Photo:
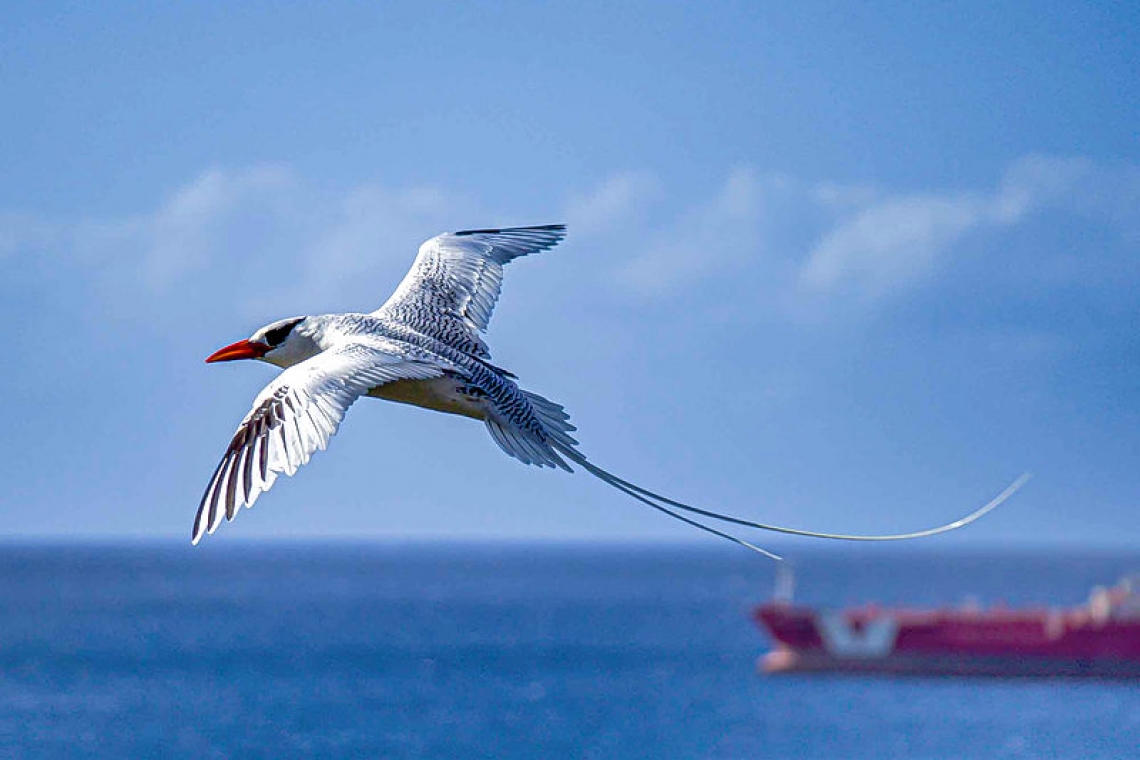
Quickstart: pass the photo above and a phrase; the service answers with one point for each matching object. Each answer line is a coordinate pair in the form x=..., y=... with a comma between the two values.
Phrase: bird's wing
x=451, y=289
x=297, y=414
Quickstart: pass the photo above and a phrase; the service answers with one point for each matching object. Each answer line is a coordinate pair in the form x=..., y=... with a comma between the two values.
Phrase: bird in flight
x=423, y=347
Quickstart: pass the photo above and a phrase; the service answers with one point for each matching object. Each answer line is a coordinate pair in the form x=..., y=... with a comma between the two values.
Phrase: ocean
x=355, y=650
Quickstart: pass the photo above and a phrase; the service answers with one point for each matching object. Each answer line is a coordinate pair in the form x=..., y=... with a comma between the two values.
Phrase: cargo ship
x=1099, y=639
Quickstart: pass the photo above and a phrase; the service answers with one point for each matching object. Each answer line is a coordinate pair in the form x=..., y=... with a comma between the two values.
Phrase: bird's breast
x=443, y=394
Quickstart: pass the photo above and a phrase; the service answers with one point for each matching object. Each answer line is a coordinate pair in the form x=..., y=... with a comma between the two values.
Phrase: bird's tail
x=560, y=447
x=657, y=501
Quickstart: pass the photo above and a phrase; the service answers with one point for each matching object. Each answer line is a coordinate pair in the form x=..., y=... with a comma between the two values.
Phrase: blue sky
x=846, y=269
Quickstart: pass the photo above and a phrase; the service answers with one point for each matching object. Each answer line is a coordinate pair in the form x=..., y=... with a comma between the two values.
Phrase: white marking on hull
x=874, y=638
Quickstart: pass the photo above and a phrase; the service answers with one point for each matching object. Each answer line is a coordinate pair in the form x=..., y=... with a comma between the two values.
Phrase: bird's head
x=284, y=343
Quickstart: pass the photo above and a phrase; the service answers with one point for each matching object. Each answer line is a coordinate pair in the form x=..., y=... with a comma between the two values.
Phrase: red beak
x=243, y=349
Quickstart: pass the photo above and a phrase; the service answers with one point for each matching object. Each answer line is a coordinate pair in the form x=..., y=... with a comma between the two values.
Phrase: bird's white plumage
x=297, y=414
x=451, y=289
x=423, y=347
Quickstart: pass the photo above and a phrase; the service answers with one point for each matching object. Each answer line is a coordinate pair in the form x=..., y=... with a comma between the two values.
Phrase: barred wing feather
x=295, y=416
x=451, y=289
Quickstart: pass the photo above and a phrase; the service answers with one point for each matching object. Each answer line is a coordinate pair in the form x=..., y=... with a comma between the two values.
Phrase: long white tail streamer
x=695, y=524
x=646, y=496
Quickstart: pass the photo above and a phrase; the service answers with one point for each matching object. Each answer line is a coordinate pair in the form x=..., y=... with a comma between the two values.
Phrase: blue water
x=483, y=651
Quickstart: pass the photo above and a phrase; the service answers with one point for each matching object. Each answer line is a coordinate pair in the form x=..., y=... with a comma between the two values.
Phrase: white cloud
x=895, y=241
x=189, y=229
x=761, y=241
x=612, y=202
x=1036, y=182
x=367, y=238
x=713, y=235
x=889, y=244
x=260, y=235
x=153, y=251
x=809, y=244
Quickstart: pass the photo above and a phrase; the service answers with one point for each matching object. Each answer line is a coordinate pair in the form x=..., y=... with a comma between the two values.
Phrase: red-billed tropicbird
x=422, y=347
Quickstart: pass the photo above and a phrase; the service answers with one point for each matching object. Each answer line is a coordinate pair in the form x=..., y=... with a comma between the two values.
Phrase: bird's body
x=449, y=395
x=422, y=347
x=460, y=382
x=451, y=392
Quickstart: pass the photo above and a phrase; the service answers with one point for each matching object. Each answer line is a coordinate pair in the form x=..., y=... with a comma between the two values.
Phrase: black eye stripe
x=277, y=335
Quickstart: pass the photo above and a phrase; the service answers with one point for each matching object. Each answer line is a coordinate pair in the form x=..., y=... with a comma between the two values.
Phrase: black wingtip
x=536, y=228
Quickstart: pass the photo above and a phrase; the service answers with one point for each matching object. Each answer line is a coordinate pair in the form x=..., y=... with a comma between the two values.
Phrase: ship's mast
x=785, y=590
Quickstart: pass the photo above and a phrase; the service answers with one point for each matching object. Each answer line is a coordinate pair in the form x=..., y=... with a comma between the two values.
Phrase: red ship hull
x=1093, y=641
